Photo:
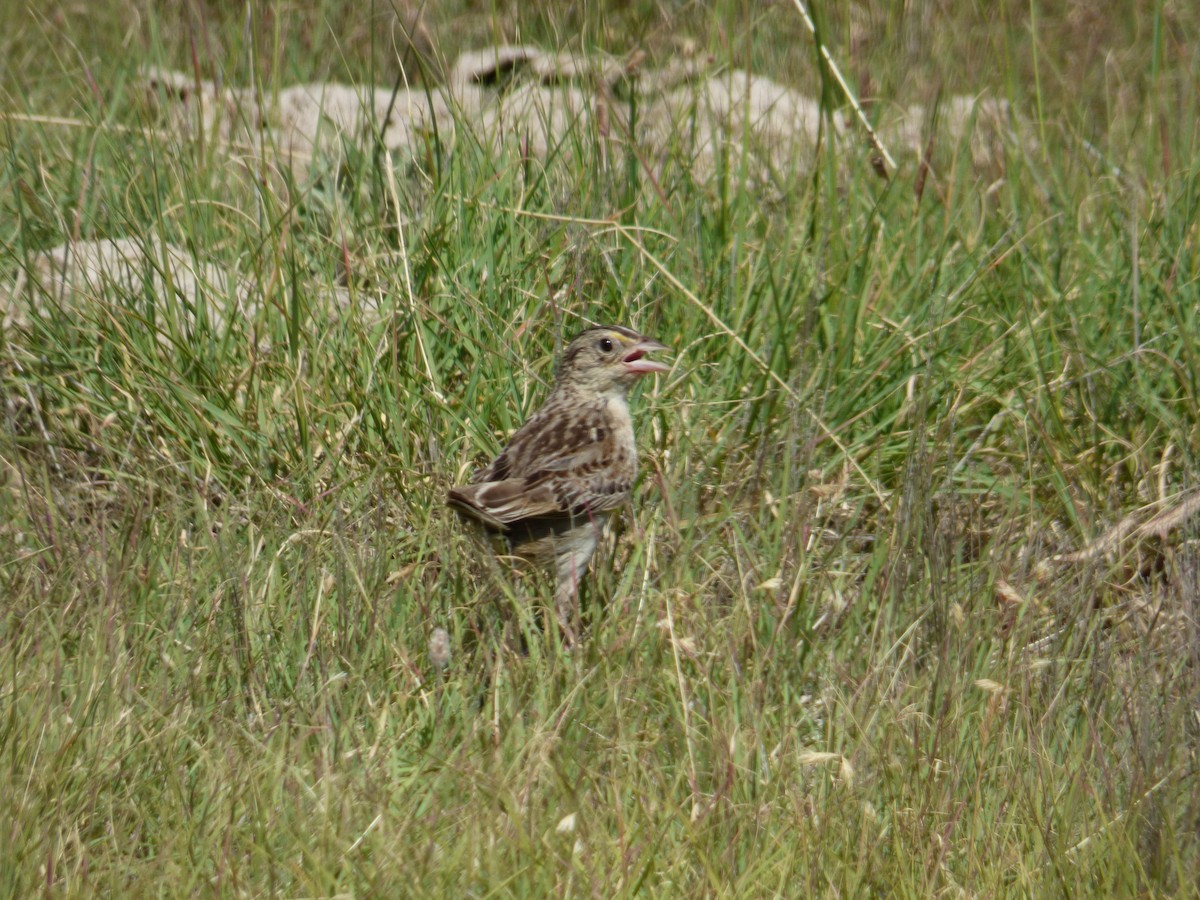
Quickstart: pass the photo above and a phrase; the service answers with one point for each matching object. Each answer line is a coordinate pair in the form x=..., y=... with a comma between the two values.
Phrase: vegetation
x=868, y=629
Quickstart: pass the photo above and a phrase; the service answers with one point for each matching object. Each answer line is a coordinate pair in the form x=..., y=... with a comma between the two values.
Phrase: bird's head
x=609, y=358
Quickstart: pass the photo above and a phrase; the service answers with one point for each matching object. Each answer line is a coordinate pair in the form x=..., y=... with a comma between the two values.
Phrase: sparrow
x=550, y=492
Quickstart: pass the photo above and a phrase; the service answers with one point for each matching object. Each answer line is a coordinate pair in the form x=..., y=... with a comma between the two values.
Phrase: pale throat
x=617, y=409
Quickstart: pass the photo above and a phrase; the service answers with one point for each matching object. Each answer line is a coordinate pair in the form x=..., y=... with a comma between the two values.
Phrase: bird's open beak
x=635, y=360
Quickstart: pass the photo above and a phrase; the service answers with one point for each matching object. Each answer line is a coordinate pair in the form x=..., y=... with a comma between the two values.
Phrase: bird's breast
x=620, y=424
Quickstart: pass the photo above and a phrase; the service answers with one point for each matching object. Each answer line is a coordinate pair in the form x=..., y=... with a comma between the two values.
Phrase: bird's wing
x=550, y=439
x=497, y=504
x=585, y=480
x=551, y=469
x=594, y=492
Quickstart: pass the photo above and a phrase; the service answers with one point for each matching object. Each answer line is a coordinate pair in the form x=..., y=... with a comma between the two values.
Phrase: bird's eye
x=606, y=345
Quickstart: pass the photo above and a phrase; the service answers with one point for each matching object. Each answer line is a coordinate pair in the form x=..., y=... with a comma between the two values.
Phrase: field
x=906, y=601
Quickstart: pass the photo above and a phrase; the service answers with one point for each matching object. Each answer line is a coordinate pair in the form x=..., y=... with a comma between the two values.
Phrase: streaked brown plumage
x=552, y=489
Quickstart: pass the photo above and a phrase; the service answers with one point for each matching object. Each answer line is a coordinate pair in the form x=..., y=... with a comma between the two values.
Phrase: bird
x=551, y=490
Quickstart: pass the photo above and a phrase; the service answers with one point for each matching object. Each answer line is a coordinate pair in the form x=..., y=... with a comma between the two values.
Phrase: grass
x=828, y=654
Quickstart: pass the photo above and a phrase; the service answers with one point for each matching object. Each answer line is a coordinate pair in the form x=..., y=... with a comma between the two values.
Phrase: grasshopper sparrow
x=551, y=490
